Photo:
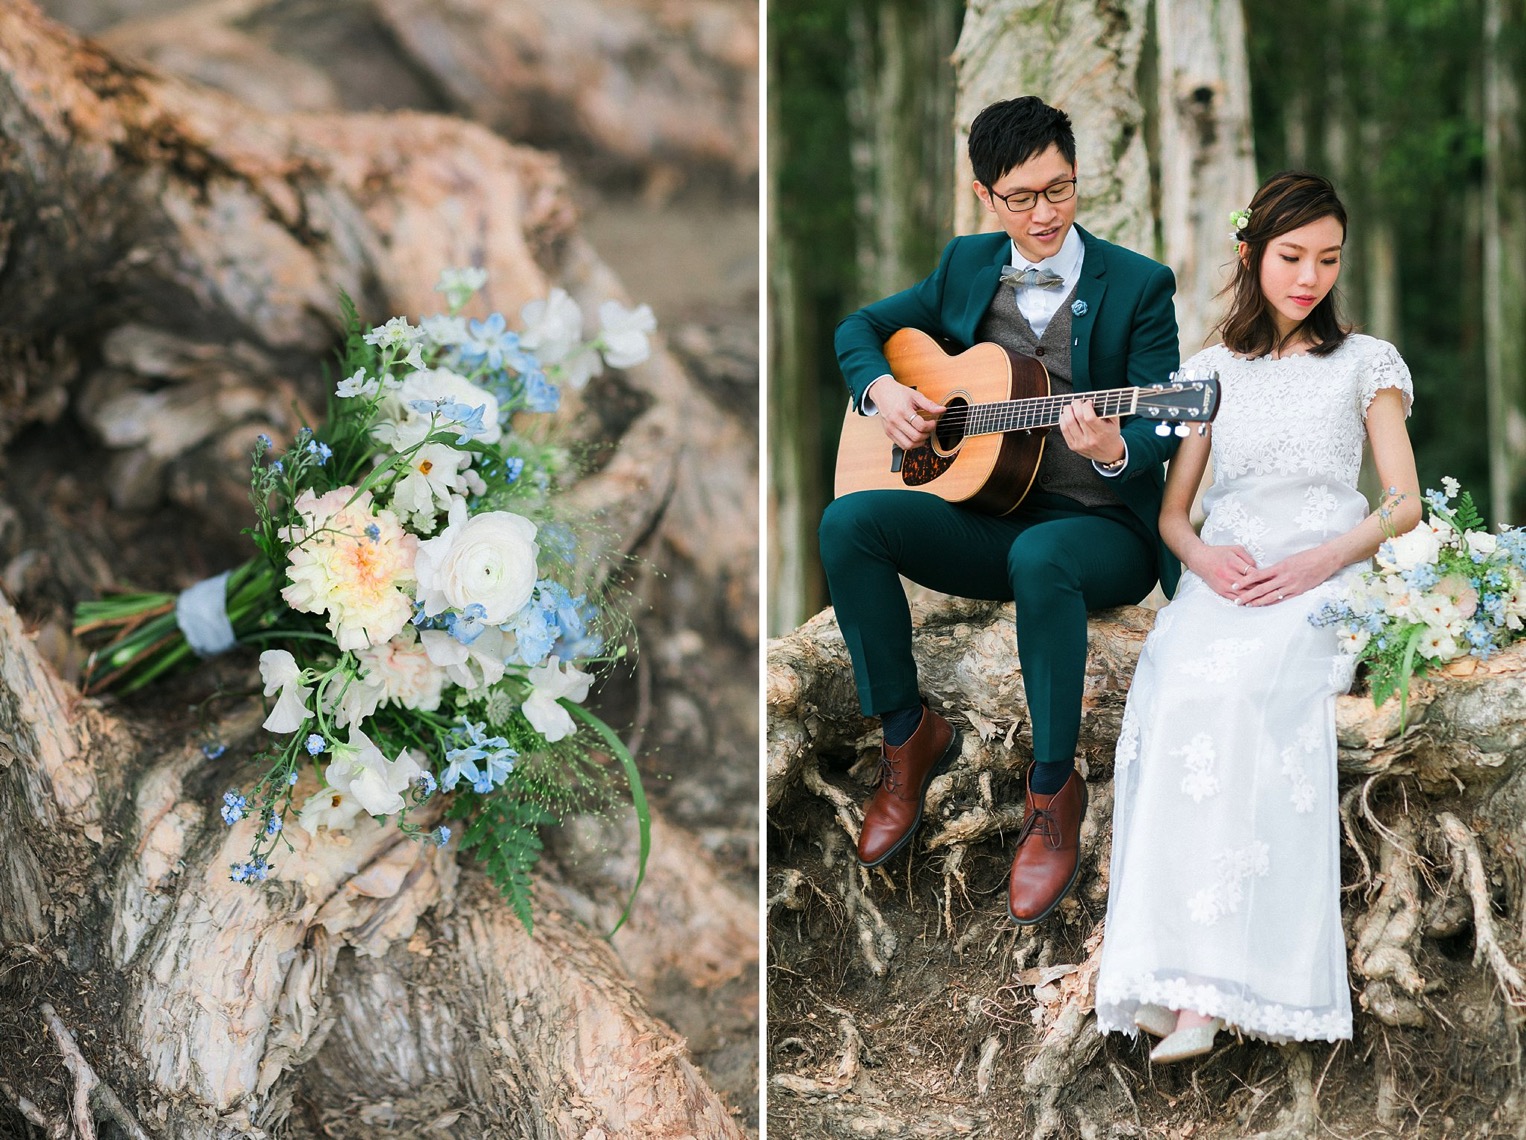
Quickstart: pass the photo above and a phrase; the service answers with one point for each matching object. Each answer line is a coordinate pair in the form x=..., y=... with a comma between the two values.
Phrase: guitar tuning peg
x=1182, y=431
x=1162, y=429
x=1202, y=429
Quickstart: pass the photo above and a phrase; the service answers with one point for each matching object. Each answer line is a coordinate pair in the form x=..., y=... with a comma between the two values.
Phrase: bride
x=1224, y=902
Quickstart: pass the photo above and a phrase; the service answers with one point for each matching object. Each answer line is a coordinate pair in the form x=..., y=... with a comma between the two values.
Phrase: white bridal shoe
x=1184, y=1043
x=1156, y=1020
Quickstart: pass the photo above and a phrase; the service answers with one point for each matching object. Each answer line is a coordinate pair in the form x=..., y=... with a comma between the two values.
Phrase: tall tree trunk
x=1207, y=165
x=1505, y=256
x=900, y=104
x=1083, y=58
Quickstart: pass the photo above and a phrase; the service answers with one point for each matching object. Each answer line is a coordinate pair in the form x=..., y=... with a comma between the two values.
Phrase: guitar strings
x=1033, y=411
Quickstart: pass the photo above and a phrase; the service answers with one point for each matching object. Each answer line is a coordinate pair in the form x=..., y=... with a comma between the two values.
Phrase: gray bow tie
x=1041, y=278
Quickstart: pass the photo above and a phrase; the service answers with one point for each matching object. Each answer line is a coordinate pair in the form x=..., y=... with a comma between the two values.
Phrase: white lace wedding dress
x=1224, y=895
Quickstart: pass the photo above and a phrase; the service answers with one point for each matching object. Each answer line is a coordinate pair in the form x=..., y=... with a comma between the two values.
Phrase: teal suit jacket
x=1127, y=335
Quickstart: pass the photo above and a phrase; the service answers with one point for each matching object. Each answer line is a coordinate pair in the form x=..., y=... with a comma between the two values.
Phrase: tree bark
x=1083, y=58
x=1207, y=164
x=170, y=261
x=1434, y=905
x=1505, y=257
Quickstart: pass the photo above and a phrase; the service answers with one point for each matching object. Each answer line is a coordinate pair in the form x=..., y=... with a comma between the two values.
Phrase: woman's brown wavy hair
x=1285, y=201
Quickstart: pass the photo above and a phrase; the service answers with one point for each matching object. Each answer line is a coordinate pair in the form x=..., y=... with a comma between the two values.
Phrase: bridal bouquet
x=1446, y=588
x=430, y=615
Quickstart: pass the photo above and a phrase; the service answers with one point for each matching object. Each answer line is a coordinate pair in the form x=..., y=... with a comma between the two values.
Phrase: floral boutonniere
x=1079, y=308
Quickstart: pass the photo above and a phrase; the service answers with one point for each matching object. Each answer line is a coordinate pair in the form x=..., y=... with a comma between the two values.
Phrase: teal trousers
x=1053, y=557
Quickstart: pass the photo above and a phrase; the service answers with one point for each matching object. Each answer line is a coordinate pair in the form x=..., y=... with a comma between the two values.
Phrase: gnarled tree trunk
x=170, y=262
x=930, y=978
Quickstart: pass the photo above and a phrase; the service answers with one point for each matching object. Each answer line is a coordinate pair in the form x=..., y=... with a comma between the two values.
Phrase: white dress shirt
x=1038, y=305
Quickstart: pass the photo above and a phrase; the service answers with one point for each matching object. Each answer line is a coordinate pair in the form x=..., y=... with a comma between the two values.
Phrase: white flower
x=549, y=684
x=395, y=333
x=487, y=559
x=625, y=333
x=553, y=328
x=403, y=426
x=1438, y=645
x=357, y=385
x=1406, y=551
x=1450, y=486
x=361, y=770
x=330, y=808
x=1352, y=642
x=1481, y=542
x=478, y=665
x=434, y=478
x=278, y=669
x=459, y=284
x=442, y=331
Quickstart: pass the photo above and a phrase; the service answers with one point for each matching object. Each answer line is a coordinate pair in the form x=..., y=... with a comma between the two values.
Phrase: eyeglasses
x=1021, y=201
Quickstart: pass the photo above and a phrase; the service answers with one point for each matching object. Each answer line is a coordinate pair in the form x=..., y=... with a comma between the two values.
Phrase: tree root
x=1468, y=864
x=841, y=1080
x=90, y=1092
x=1386, y=933
x=877, y=941
x=849, y=815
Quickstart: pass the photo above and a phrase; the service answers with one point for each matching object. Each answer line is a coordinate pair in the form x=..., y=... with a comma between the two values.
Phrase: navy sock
x=1047, y=779
x=899, y=725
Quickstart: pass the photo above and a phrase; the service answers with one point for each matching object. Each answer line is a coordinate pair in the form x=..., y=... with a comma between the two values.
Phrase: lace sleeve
x=1385, y=368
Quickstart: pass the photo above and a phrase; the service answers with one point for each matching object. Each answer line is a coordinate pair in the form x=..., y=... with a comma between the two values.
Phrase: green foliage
x=503, y=834
x=1382, y=96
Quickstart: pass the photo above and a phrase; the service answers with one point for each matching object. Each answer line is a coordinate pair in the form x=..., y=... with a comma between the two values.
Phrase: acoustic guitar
x=985, y=450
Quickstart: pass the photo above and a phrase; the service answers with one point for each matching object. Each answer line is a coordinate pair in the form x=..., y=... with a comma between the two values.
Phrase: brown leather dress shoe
x=1048, y=853
x=892, y=814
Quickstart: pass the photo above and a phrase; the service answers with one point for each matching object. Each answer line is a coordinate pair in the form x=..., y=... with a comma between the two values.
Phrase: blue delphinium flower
x=272, y=823
x=540, y=394
x=473, y=746
x=234, y=807
x=512, y=467
x=254, y=871
x=467, y=625
x=535, y=632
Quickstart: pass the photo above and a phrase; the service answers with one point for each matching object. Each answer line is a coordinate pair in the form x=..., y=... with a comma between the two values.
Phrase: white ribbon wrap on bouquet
x=202, y=614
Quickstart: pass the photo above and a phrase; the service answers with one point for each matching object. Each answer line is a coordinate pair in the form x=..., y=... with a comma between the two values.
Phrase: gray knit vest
x=1061, y=471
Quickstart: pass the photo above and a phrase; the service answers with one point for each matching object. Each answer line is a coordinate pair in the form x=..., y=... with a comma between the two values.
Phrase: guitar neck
x=1044, y=411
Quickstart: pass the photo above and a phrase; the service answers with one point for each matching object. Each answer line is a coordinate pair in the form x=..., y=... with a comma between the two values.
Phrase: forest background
x=1411, y=106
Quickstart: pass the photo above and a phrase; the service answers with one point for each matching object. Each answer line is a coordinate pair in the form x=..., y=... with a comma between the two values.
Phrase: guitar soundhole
x=924, y=464
x=949, y=433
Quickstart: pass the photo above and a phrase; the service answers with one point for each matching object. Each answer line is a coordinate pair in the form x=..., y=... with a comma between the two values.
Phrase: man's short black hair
x=1009, y=133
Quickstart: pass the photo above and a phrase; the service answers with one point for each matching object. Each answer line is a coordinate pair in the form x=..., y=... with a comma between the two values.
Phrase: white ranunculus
x=548, y=685
x=279, y=671
x=552, y=328
x=1406, y=551
x=625, y=333
x=486, y=559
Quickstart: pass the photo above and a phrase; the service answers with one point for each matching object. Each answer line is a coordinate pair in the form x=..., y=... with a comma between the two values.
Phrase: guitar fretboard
x=1037, y=412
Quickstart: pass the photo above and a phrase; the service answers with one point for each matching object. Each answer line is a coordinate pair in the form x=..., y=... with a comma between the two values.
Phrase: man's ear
x=984, y=195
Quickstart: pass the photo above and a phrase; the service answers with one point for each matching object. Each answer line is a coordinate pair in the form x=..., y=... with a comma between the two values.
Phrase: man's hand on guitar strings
x=907, y=416
x=1089, y=435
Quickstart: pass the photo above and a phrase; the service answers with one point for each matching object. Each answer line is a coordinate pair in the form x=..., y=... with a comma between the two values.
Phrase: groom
x=1085, y=537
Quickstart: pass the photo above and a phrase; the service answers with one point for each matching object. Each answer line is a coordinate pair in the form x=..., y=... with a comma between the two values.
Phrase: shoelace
x=1042, y=820
x=888, y=775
